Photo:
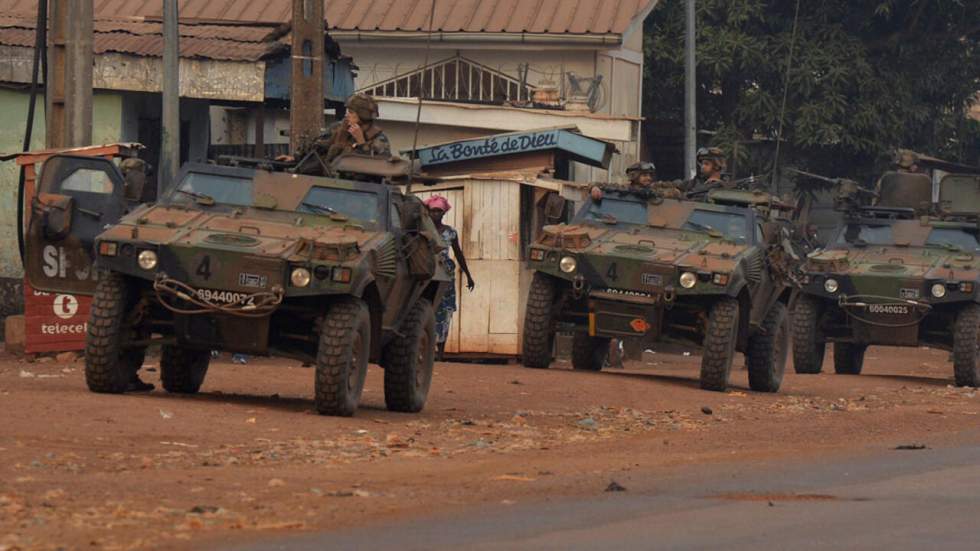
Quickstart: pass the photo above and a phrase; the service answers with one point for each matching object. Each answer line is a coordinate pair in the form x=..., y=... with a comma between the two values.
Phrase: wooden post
x=69, y=78
x=306, y=83
x=55, y=79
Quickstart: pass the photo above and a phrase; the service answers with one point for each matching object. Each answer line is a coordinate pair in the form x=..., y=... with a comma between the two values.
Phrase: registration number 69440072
x=225, y=297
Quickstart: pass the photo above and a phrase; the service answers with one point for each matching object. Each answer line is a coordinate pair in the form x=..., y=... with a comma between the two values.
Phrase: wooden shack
x=499, y=196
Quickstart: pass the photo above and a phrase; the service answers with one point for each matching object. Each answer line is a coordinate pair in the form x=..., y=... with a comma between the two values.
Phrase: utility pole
x=690, y=98
x=170, y=125
x=69, y=78
x=306, y=83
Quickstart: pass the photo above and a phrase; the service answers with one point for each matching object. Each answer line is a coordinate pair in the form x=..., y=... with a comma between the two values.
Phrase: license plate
x=890, y=309
x=225, y=297
x=655, y=280
x=909, y=293
x=252, y=280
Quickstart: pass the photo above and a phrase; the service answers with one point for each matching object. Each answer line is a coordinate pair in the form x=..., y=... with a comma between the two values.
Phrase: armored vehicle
x=903, y=272
x=629, y=267
x=326, y=270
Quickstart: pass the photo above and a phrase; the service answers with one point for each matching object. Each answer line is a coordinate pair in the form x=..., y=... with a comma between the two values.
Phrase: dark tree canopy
x=868, y=76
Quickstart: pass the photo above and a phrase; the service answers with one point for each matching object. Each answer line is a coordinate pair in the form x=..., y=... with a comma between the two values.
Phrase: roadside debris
x=911, y=447
x=615, y=487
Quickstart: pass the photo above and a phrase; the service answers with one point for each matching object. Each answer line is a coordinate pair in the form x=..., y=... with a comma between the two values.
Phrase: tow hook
x=578, y=284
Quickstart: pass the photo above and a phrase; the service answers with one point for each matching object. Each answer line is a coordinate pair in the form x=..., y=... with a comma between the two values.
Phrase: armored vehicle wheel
x=182, y=370
x=539, y=322
x=588, y=353
x=848, y=358
x=808, y=352
x=719, y=345
x=108, y=363
x=342, y=358
x=408, y=360
x=966, y=345
x=766, y=358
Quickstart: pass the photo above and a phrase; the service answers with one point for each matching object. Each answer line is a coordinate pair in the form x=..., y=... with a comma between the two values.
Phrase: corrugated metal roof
x=474, y=16
x=221, y=42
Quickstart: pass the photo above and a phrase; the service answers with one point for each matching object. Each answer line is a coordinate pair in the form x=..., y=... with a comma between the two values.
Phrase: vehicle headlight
x=938, y=290
x=300, y=277
x=568, y=264
x=830, y=285
x=688, y=280
x=147, y=260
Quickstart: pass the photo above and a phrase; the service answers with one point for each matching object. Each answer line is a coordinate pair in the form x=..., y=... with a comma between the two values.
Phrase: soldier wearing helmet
x=355, y=133
x=642, y=177
x=907, y=161
x=711, y=168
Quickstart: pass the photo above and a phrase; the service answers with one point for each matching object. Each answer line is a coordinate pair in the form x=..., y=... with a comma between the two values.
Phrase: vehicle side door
x=77, y=198
x=417, y=261
x=768, y=236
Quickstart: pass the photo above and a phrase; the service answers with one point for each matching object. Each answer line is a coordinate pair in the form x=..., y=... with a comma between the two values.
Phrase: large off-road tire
x=539, y=323
x=966, y=346
x=589, y=353
x=182, y=370
x=766, y=358
x=808, y=352
x=342, y=357
x=719, y=345
x=409, y=359
x=849, y=358
x=108, y=364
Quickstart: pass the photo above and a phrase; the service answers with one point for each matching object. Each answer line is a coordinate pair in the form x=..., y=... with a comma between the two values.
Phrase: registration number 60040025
x=225, y=297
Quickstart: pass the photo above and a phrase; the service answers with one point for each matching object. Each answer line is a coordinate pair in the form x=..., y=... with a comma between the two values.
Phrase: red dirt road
x=247, y=459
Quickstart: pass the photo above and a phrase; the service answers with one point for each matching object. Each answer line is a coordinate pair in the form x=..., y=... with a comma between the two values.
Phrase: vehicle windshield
x=863, y=234
x=614, y=211
x=356, y=205
x=202, y=188
x=731, y=225
x=954, y=238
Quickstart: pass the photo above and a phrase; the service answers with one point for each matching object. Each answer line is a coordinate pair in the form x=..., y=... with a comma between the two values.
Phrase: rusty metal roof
x=471, y=16
x=144, y=38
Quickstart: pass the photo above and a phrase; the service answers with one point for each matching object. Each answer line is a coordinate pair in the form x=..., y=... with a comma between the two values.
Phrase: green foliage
x=868, y=76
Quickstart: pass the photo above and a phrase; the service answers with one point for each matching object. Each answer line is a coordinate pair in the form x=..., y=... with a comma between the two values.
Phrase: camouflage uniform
x=700, y=186
x=337, y=141
x=134, y=171
x=635, y=186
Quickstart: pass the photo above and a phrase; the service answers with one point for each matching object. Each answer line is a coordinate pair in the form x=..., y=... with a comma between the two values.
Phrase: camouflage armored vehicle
x=330, y=271
x=711, y=273
x=903, y=272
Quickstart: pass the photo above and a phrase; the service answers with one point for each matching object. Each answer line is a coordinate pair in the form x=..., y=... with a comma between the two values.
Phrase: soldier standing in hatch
x=908, y=161
x=641, y=175
x=711, y=167
x=355, y=133
x=438, y=206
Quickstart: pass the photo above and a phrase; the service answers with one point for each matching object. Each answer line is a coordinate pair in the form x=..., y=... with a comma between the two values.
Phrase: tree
x=867, y=77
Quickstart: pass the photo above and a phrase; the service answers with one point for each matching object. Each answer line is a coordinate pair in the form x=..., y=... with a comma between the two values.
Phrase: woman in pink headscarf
x=438, y=206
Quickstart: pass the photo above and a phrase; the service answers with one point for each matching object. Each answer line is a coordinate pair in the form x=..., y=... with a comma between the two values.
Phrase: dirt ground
x=247, y=459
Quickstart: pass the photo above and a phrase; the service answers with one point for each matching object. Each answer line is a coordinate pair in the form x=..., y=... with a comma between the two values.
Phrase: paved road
x=890, y=500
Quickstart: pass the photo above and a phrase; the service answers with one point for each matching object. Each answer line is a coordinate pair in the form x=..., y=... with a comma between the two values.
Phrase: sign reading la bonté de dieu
x=489, y=147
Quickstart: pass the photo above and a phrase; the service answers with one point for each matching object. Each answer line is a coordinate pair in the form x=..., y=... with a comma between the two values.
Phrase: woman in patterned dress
x=438, y=207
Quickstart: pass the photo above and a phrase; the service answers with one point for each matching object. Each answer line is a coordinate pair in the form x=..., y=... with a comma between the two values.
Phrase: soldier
x=907, y=161
x=711, y=166
x=641, y=175
x=355, y=133
x=134, y=171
